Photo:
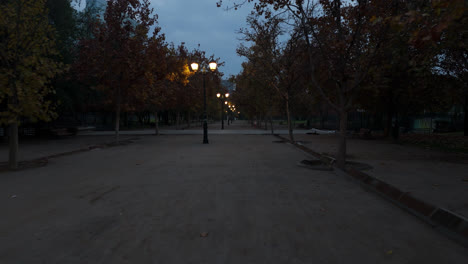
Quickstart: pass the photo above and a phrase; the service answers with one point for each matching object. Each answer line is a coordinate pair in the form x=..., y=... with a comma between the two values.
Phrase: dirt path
x=171, y=199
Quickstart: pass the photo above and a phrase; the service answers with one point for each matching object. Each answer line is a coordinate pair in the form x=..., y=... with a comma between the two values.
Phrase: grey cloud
x=201, y=22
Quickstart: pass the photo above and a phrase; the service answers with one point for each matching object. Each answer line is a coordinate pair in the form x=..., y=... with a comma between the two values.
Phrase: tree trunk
x=396, y=127
x=156, y=123
x=388, y=123
x=141, y=119
x=146, y=118
x=271, y=125
x=322, y=121
x=368, y=122
x=178, y=120
x=361, y=119
x=465, y=120
x=117, y=122
x=323, y=116
x=117, y=117
x=290, y=128
x=117, y=108
x=341, y=155
x=13, y=138
x=188, y=119
x=166, y=117
x=390, y=113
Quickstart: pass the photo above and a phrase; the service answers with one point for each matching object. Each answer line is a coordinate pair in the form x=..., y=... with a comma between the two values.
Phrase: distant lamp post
x=233, y=111
x=212, y=66
x=221, y=96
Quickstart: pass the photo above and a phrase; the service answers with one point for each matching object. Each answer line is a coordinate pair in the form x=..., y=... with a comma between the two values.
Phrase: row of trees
x=54, y=59
x=394, y=57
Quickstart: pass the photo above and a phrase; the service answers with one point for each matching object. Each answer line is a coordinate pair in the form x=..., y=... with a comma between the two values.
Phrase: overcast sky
x=201, y=22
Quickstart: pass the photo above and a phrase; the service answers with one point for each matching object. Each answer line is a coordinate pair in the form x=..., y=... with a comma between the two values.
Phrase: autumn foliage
x=135, y=69
x=113, y=59
x=27, y=66
x=377, y=56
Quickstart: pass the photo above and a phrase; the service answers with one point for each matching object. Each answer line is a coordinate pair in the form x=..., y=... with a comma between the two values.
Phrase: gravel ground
x=171, y=199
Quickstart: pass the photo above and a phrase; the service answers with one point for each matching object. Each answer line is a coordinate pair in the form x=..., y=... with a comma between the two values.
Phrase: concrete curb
x=451, y=224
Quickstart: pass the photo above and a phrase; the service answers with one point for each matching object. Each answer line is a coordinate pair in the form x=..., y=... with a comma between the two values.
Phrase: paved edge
x=449, y=223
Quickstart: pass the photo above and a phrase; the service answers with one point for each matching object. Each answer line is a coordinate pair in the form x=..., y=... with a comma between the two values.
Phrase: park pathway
x=171, y=199
x=238, y=127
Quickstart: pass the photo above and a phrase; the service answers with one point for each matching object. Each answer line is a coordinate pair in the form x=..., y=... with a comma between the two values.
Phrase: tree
x=453, y=44
x=111, y=58
x=63, y=17
x=291, y=75
x=422, y=40
x=27, y=64
x=262, y=54
x=69, y=95
x=170, y=85
x=394, y=74
x=339, y=31
x=152, y=97
x=186, y=97
x=278, y=65
x=254, y=96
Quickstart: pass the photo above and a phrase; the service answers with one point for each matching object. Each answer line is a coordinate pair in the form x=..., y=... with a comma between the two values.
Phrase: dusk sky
x=202, y=22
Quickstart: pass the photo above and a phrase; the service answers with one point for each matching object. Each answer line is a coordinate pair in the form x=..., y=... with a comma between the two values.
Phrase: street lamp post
x=222, y=107
x=232, y=109
x=212, y=67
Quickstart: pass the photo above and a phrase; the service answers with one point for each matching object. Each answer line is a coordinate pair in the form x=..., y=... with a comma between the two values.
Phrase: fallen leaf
x=465, y=180
x=203, y=234
x=389, y=252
